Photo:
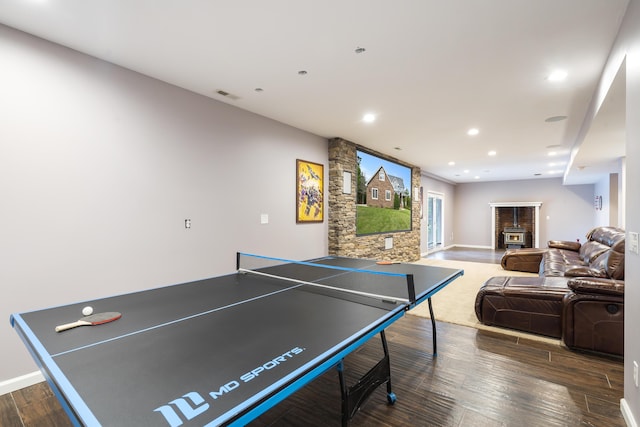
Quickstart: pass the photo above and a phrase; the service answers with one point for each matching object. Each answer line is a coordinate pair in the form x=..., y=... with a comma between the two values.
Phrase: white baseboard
x=17, y=383
x=434, y=250
x=627, y=415
x=473, y=246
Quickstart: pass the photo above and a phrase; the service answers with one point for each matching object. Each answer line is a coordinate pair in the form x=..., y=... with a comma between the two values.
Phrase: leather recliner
x=578, y=296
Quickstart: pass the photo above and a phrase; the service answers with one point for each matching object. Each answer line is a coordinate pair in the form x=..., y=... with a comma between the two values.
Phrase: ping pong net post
x=328, y=273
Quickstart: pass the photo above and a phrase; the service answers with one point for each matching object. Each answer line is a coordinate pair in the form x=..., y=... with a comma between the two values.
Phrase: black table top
x=210, y=351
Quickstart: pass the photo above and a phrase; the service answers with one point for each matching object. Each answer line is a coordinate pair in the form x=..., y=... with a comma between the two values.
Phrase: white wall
x=567, y=212
x=99, y=168
x=626, y=52
x=628, y=43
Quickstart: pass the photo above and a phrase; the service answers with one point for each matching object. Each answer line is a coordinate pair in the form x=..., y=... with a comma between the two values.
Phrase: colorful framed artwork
x=309, y=192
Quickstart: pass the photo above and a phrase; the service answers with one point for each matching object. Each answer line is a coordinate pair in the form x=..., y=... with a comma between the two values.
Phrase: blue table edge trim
x=78, y=412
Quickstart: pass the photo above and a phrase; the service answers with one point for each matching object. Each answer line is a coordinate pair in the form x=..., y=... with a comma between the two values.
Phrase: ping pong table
x=224, y=350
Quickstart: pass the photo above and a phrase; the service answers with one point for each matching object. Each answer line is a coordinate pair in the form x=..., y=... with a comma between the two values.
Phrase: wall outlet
x=635, y=373
x=388, y=243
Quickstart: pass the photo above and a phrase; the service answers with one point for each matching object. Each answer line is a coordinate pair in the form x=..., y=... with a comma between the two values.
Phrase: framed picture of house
x=383, y=200
x=309, y=192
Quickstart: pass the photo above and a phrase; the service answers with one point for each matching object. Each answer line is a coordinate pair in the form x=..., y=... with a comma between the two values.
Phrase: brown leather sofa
x=578, y=295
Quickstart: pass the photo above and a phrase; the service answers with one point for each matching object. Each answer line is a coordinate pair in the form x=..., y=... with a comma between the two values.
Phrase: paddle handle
x=71, y=325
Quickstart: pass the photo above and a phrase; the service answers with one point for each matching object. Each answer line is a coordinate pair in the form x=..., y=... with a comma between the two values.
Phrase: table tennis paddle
x=94, y=319
x=387, y=262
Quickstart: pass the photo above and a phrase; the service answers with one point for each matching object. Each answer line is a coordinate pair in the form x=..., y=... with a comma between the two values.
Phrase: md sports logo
x=192, y=404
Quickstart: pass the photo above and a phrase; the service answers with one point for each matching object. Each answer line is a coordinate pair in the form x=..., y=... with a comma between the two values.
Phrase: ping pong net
x=335, y=276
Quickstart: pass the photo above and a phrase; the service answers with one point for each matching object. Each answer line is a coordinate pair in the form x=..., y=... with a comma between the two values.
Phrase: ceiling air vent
x=227, y=95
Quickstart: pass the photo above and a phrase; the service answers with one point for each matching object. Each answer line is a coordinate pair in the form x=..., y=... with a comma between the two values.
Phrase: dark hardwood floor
x=479, y=378
x=469, y=254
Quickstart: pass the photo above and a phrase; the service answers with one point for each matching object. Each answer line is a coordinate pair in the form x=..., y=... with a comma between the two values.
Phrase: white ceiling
x=431, y=69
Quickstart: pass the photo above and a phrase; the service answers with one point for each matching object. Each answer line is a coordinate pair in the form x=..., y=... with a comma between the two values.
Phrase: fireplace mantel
x=536, y=205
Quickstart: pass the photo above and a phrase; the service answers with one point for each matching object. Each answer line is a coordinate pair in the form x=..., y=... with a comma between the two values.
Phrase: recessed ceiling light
x=473, y=132
x=555, y=119
x=492, y=153
x=360, y=50
x=302, y=73
x=369, y=118
x=552, y=153
x=476, y=177
x=557, y=76
x=397, y=148
x=259, y=89
x=452, y=163
x=466, y=171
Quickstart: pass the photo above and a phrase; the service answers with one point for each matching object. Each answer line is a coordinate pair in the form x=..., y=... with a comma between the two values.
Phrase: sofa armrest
x=598, y=286
x=564, y=244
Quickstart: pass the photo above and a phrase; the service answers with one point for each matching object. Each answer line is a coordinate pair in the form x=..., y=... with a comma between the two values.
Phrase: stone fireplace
x=515, y=225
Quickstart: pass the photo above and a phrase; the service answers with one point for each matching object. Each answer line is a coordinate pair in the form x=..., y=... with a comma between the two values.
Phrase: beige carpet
x=456, y=302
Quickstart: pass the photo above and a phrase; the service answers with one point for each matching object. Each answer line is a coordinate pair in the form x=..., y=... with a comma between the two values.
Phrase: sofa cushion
x=584, y=271
x=591, y=250
x=556, y=261
x=609, y=236
x=611, y=263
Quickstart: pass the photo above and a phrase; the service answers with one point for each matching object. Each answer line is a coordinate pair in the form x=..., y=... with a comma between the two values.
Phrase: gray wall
x=567, y=212
x=99, y=168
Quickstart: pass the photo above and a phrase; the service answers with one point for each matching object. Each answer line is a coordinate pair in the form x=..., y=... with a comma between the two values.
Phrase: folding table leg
x=353, y=397
x=433, y=328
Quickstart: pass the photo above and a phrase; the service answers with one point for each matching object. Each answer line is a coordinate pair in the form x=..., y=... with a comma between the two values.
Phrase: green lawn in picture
x=380, y=220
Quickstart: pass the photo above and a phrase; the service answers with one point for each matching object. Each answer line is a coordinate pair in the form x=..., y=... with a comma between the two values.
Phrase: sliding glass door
x=435, y=228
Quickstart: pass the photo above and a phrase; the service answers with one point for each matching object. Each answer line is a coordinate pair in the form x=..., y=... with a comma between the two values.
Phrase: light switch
x=264, y=218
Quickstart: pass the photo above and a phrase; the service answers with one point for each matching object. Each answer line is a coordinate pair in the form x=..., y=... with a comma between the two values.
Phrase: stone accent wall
x=342, y=212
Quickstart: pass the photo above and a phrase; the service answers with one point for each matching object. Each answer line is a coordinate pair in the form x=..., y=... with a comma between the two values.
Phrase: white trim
x=17, y=383
x=494, y=205
x=515, y=204
x=626, y=414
